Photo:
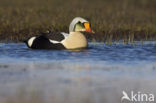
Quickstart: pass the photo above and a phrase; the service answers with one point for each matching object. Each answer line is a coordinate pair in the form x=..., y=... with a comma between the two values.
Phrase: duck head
x=79, y=24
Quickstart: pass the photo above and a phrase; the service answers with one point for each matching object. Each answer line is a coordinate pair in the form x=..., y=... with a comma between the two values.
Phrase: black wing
x=57, y=36
x=42, y=42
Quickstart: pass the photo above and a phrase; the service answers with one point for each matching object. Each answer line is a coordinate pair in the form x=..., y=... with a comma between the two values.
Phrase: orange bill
x=87, y=27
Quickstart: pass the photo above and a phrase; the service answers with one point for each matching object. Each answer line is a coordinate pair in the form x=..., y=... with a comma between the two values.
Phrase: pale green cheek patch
x=79, y=27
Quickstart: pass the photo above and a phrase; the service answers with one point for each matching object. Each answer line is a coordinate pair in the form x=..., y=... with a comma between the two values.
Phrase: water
x=98, y=74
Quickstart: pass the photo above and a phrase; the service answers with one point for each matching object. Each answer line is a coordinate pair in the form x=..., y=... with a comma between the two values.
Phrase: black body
x=43, y=42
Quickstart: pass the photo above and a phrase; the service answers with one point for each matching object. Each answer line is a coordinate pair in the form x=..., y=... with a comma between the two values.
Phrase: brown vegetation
x=113, y=20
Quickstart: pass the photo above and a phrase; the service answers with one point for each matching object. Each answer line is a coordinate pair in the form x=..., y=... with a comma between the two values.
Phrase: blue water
x=98, y=74
x=97, y=52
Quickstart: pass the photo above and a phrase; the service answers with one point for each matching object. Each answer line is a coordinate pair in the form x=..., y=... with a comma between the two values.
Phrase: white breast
x=75, y=40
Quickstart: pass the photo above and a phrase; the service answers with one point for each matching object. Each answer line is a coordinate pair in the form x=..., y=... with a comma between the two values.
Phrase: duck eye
x=79, y=22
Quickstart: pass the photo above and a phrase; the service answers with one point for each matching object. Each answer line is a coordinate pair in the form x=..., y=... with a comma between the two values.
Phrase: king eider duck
x=60, y=40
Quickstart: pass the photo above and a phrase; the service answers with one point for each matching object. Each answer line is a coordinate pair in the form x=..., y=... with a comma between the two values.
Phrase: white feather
x=30, y=41
x=54, y=41
x=65, y=34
